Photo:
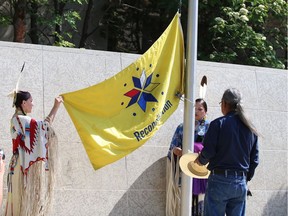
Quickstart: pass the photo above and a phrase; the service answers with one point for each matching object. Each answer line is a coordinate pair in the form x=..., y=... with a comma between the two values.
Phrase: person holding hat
x=30, y=187
x=175, y=152
x=231, y=149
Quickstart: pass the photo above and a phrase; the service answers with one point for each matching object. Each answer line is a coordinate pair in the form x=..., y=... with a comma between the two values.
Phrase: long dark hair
x=20, y=97
x=233, y=98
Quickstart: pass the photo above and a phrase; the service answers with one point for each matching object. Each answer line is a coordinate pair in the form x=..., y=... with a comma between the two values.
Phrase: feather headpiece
x=203, y=87
x=14, y=92
x=202, y=90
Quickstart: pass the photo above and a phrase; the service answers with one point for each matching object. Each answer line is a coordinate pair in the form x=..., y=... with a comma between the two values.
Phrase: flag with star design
x=118, y=115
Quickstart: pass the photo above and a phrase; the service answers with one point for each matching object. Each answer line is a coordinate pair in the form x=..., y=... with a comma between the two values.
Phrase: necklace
x=201, y=127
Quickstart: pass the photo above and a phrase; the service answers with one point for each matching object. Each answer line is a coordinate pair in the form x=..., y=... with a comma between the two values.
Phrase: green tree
x=46, y=19
x=134, y=25
x=251, y=32
x=243, y=32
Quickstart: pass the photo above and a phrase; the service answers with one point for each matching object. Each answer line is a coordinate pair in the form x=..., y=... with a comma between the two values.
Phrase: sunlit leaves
x=246, y=32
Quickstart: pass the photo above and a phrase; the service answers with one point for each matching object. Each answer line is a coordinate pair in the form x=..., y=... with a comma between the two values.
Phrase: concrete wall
x=135, y=185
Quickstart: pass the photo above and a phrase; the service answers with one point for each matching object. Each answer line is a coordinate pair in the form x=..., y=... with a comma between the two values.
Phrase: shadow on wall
x=147, y=195
x=277, y=203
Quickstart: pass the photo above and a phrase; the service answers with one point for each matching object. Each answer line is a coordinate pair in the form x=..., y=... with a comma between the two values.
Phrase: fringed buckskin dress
x=30, y=178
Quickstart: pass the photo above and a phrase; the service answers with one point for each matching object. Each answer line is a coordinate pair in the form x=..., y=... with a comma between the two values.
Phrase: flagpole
x=189, y=111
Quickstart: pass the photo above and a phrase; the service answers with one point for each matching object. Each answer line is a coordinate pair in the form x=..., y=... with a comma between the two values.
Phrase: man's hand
x=197, y=161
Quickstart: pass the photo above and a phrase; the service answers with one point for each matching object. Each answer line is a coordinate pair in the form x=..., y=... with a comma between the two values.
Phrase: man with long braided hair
x=231, y=148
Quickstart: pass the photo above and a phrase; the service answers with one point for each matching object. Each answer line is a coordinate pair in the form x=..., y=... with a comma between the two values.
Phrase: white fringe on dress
x=32, y=195
x=173, y=191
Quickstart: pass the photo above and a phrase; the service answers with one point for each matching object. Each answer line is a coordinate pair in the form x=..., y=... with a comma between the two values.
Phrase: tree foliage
x=134, y=25
x=41, y=21
x=251, y=32
x=244, y=32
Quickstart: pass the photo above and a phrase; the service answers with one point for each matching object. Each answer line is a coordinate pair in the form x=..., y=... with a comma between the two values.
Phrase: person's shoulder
x=179, y=129
x=180, y=126
x=21, y=118
x=218, y=119
x=228, y=118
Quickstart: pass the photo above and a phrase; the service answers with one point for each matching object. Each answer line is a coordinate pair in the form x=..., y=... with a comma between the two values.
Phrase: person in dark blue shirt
x=231, y=148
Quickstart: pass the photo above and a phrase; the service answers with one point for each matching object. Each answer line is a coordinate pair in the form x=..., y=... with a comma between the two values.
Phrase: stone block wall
x=135, y=185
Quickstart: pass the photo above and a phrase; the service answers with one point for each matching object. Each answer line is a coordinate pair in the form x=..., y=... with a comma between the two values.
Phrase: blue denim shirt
x=229, y=144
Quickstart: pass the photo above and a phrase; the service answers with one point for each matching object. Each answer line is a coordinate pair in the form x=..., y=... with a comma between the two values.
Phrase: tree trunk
x=59, y=11
x=84, y=34
x=34, y=28
x=19, y=21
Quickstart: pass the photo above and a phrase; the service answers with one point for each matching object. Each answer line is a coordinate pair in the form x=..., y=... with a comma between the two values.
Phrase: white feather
x=14, y=92
x=203, y=87
x=18, y=81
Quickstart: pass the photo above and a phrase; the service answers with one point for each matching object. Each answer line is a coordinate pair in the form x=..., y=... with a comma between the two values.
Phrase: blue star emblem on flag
x=141, y=93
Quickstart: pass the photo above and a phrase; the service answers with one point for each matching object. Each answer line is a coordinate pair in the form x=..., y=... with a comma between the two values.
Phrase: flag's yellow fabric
x=115, y=117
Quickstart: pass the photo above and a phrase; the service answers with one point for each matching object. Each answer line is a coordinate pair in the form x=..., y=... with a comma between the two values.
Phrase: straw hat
x=193, y=169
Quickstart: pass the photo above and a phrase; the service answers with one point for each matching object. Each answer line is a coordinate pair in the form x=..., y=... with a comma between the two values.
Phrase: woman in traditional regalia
x=173, y=190
x=173, y=171
x=30, y=176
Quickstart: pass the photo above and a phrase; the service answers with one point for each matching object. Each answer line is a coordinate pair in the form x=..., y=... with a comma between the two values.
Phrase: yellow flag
x=115, y=117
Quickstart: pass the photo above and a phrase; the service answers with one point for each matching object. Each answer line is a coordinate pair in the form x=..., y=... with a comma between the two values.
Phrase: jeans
x=225, y=194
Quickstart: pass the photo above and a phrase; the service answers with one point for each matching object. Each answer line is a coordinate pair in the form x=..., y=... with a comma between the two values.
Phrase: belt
x=229, y=172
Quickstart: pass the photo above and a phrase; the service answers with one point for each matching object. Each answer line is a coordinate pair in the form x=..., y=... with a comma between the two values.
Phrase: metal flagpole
x=189, y=111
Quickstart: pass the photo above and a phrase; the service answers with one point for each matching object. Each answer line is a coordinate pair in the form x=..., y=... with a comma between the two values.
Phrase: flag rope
x=182, y=98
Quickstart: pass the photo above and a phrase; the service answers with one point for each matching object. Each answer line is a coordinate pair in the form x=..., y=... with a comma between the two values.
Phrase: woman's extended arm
x=58, y=100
